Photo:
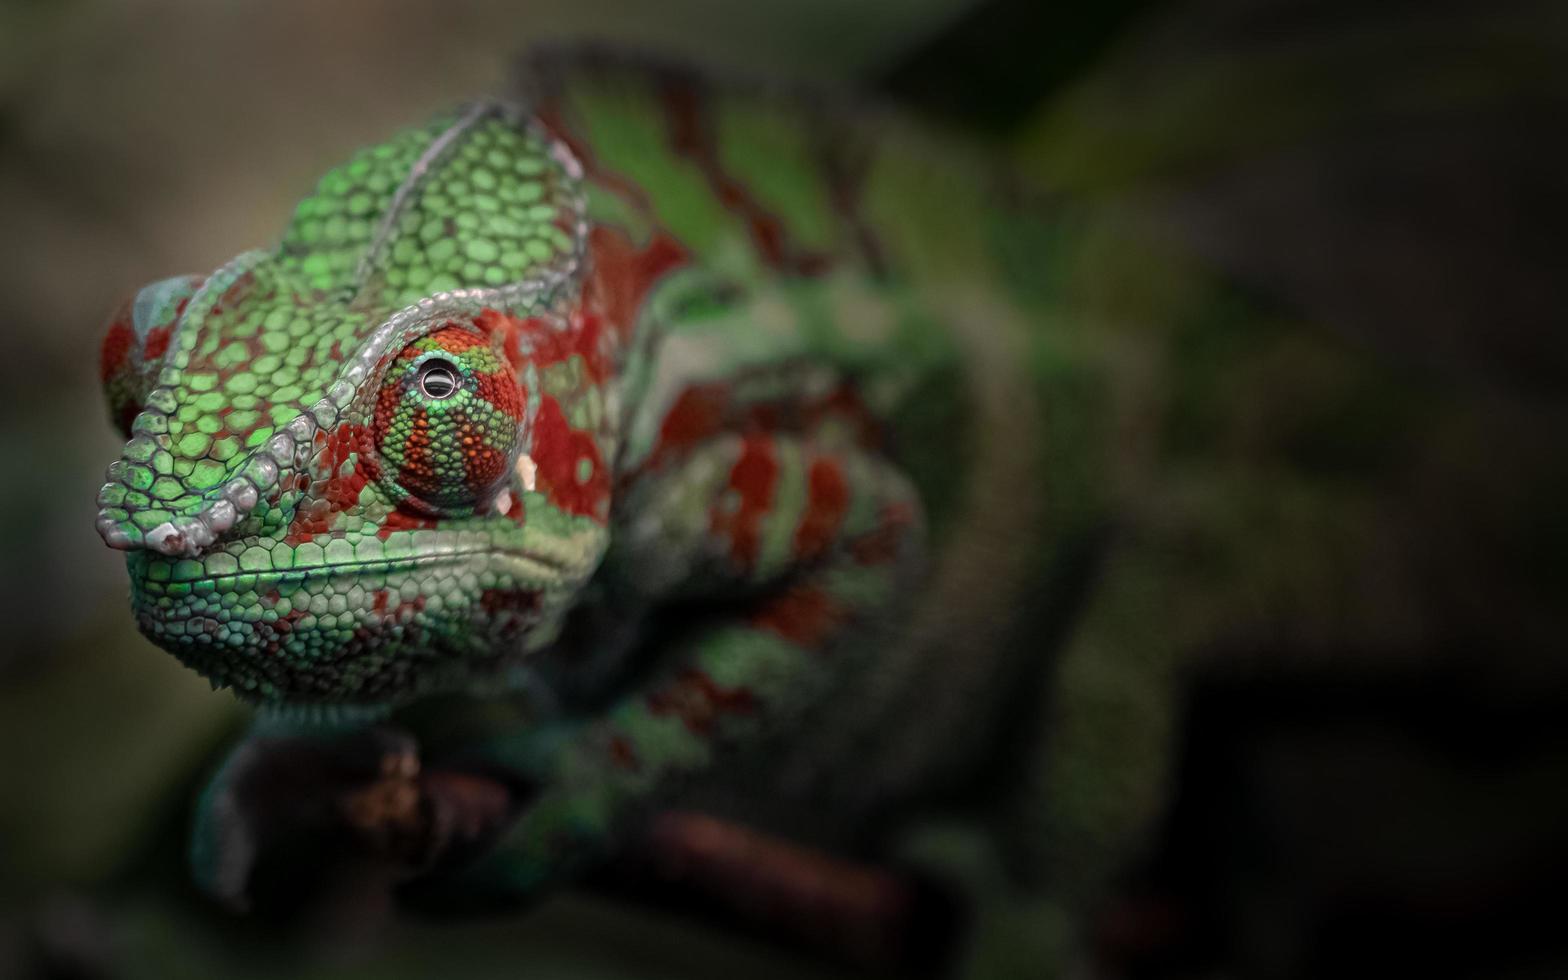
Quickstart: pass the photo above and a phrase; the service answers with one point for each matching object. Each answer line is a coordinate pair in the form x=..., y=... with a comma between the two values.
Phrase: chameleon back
x=836, y=237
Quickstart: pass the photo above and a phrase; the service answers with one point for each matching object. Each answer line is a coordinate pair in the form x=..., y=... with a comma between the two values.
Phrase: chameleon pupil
x=438, y=380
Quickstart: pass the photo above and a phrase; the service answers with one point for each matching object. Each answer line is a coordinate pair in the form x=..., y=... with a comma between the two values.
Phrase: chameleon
x=649, y=443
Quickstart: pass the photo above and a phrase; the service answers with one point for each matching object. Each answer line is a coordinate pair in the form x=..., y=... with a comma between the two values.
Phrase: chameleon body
x=710, y=420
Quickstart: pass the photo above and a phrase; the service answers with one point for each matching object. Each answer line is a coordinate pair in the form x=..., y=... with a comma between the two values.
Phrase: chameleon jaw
x=286, y=656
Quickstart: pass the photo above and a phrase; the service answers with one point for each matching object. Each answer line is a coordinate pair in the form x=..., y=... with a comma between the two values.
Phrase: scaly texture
x=724, y=424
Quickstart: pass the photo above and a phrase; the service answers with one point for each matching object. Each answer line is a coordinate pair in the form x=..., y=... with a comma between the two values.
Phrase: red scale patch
x=511, y=330
x=550, y=115
x=804, y=615
x=698, y=702
x=451, y=338
x=624, y=275
x=754, y=477
x=692, y=136
x=698, y=414
x=550, y=344
x=704, y=410
x=827, y=502
x=399, y=520
x=418, y=473
x=343, y=468
x=116, y=349
x=557, y=452
x=503, y=393
x=496, y=602
x=507, y=612
x=157, y=343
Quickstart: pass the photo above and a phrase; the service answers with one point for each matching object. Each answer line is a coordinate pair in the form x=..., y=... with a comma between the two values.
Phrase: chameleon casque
x=651, y=443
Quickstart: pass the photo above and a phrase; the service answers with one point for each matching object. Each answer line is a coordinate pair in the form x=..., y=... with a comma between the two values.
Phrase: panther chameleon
x=692, y=447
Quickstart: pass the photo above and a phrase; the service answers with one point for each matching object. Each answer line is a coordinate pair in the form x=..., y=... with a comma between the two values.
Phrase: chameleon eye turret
x=135, y=346
x=447, y=422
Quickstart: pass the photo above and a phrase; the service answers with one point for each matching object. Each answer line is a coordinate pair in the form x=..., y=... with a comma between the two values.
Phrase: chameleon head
x=367, y=464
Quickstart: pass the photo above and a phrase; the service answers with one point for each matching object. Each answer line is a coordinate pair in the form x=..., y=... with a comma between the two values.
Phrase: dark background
x=1394, y=171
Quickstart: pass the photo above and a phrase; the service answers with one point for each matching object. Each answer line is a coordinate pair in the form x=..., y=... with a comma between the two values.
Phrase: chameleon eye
x=135, y=343
x=438, y=379
x=447, y=422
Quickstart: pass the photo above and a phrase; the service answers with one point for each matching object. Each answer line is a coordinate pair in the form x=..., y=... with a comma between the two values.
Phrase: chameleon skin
x=301, y=533
x=748, y=378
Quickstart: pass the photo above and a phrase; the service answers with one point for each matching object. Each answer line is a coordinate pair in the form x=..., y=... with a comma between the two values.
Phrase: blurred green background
x=1395, y=171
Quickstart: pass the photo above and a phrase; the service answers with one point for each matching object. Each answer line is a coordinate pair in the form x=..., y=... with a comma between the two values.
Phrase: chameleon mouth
x=192, y=574
x=367, y=631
